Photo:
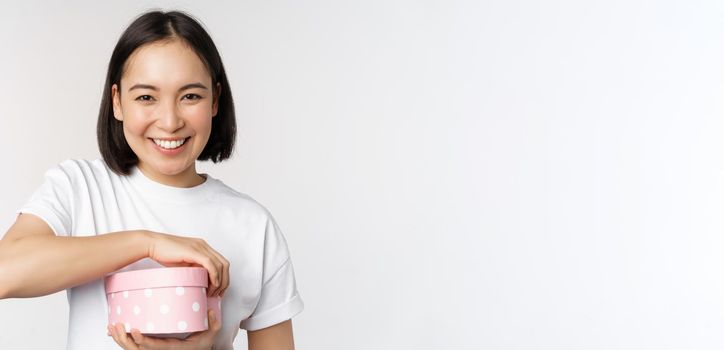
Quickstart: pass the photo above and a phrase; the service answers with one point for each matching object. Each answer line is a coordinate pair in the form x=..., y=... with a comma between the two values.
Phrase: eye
x=143, y=98
x=193, y=96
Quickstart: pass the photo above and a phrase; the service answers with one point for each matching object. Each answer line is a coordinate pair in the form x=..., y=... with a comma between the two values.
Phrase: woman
x=166, y=104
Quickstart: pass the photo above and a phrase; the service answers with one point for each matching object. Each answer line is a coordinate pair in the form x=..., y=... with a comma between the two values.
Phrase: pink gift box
x=162, y=302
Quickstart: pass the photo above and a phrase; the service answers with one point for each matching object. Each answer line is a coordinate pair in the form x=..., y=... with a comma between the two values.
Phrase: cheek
x=134, y=132
x=198, y=116
x=203, y=107
x=135, y=123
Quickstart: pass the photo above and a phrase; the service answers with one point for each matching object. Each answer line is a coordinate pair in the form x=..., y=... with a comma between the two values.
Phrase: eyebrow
x=185, y=87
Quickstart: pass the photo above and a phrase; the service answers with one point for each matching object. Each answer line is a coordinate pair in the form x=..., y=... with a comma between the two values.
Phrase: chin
x=172, y=171
x=168, y=169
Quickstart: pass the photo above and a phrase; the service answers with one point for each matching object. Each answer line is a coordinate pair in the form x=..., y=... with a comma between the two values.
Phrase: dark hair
x=158, y=26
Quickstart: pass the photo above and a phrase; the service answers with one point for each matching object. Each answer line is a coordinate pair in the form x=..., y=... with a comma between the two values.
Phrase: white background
x=448, y=174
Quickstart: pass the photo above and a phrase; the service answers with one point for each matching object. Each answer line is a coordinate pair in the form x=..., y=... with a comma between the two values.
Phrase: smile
x=170, y=147
x=170, y=144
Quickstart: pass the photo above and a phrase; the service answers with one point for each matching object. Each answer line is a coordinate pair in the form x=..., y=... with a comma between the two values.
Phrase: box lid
x=157, y=278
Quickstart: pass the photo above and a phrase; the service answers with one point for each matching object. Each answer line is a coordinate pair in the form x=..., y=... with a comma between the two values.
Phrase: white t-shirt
x=86, y=198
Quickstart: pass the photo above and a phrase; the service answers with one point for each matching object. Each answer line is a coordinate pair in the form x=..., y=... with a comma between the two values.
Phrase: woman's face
x=166, y=94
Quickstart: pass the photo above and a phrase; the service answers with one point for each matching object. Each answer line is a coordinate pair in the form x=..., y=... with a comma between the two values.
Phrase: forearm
x=276, y=337
x=39, y=265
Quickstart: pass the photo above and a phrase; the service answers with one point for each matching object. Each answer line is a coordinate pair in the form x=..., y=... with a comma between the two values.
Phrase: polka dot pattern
x=168, y=310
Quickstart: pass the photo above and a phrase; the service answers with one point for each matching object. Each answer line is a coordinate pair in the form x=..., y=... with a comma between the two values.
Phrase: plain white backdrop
x=448, y=174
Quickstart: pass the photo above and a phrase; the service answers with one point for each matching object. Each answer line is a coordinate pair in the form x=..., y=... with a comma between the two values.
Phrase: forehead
x=164, y=64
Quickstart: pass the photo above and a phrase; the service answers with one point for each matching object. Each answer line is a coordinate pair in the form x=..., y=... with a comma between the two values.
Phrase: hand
x=172, y=250
x=136, y=341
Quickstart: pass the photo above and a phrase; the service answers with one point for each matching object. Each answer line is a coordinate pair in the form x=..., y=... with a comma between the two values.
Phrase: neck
x=187, y=178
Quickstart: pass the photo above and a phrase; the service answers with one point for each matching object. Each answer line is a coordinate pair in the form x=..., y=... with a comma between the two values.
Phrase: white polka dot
x=136, y=310
x=150, y=327
x=180, y=291
x=206, y=322
x=125, y=294
x=113, y=295
x=182, y=325
x=148, y=292
x=118, y=309
x=128, y=327
x=164, y=309
x=195, y=306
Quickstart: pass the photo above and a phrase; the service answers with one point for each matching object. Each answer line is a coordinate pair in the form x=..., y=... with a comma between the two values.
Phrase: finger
x=138, y=338
x=178, y=264
x=218, y=261
x=210, y=262
x=206, y=338
x=223, y=266
x=151, y=343
x=221, y=273
x=226, y=280
x=215, y=274
x=214, y=322
x=112, y=332
x=121, y=338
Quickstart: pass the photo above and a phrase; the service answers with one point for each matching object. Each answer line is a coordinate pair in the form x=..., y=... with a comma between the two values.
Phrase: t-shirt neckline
x=163, y=191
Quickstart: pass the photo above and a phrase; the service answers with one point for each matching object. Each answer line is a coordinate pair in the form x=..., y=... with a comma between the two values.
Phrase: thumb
x=214, y=321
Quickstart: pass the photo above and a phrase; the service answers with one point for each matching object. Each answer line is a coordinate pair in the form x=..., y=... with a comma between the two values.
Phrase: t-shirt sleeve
x=279, y=300
x=52, y=201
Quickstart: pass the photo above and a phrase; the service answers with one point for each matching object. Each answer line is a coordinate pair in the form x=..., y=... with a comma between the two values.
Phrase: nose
x=169, y=118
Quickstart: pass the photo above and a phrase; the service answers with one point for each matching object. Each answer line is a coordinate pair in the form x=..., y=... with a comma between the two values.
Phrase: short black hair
x=149, y=27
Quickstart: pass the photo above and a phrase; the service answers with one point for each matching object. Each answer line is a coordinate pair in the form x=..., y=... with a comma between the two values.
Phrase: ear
x=217, y=93
x=116, y=95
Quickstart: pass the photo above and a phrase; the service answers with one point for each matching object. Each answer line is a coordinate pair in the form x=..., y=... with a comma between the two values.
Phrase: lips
x=169, y=139
x=170, y=151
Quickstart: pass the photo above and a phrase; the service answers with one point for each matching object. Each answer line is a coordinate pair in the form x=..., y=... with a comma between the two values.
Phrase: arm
x=35, y=262
x=276, y=337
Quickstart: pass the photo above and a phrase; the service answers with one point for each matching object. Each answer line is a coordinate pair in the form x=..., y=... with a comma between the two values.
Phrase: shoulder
x=240, y=201
x=86, y=168
x=80, y=173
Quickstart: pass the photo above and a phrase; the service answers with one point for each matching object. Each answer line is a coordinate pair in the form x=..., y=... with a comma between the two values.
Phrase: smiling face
x=166, y=94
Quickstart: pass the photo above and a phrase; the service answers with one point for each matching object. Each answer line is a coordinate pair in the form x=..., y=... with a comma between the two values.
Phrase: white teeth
x=169, y=144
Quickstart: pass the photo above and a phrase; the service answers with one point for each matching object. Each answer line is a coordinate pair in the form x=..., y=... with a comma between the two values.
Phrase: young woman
x=167, y=103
